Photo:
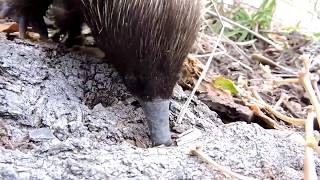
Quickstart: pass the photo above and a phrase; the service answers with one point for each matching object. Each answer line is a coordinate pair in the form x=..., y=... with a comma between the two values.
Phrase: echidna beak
x=157, y=113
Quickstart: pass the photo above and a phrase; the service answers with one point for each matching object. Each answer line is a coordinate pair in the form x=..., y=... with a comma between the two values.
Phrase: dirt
x=66, y=115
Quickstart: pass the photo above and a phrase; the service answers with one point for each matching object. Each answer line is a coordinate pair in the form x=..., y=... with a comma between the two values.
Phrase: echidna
x=147, y=42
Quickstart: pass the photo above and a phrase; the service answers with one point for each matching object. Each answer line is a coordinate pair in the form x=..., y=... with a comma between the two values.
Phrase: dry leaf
x=33, y=36
x=9, y=27
x=191, y=71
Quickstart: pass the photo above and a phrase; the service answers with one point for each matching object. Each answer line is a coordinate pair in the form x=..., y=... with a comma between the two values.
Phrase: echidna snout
x=157, y=114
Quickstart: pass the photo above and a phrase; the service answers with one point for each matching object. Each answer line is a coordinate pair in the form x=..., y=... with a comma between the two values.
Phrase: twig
x=198, y=152
x=246, y=43
x=266, y=61
x=188, y=136
x=291, y=109
x=283, y=97
x=309, y=165
x=202, y=76
x=242, y=64
x=235, y=46
x=208, y=55
x=278, y=82
x=295, y=121
x=316, y=88
x=265, y=118
x=305, y=80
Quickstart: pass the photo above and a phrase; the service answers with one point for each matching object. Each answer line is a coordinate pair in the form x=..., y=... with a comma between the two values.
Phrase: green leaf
x=317, y=35
x=226, y=84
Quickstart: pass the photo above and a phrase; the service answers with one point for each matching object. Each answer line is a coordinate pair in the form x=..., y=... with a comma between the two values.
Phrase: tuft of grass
x=317, y=35
x=258, y=20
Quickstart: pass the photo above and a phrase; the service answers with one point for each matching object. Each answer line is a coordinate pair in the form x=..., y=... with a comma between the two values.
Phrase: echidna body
x=147, y=41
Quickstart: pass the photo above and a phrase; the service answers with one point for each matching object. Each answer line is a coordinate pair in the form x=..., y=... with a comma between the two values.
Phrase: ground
x=66, y=115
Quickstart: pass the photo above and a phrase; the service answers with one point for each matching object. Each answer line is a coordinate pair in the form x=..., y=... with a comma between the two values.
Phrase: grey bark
x=68, y=116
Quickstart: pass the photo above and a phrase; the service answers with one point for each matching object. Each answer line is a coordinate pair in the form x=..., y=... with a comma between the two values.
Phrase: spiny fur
x=147, y=41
